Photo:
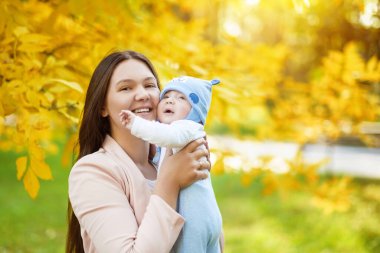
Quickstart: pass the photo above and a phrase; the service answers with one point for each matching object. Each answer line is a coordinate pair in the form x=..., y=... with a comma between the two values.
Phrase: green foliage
x=32, y=225
x=254, y=223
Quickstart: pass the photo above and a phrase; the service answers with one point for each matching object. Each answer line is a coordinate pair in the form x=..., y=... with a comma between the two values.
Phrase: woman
x=122, y=205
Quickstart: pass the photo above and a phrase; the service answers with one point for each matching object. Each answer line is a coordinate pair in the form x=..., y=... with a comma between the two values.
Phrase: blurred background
x=294, y=127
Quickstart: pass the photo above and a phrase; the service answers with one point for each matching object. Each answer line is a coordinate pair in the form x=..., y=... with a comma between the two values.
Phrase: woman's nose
x=141, y=93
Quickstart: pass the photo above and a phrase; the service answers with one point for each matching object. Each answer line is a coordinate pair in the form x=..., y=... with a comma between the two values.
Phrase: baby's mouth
x=168, y=111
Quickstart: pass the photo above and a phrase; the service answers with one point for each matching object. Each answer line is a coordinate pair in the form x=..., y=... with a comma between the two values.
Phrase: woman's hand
x=185, y=167
x=180, y=170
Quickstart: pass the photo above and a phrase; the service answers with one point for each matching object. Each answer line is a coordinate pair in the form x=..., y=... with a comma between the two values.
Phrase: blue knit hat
x=197, y=92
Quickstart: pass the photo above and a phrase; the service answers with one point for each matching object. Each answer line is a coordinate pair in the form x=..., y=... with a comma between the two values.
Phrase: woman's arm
x=102, y=201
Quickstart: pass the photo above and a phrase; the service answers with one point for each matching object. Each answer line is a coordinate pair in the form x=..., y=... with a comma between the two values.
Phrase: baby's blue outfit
x=197, y=204
x=203, y=222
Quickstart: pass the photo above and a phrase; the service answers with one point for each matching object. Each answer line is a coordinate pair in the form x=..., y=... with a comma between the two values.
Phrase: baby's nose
x=169, y=100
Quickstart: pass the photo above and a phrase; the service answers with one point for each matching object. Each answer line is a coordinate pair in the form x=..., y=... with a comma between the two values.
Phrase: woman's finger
x=192, y=146
x=204, y=165
x=199, y=153
x=201, y=174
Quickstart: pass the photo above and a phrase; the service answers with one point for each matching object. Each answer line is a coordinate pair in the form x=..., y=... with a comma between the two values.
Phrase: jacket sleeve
x=100, y=201
x=174, y=135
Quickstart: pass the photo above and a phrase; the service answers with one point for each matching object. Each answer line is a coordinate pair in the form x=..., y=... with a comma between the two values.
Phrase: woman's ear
x=104, y=112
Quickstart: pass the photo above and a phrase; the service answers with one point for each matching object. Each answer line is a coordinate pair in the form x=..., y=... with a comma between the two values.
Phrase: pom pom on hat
x=198, y=93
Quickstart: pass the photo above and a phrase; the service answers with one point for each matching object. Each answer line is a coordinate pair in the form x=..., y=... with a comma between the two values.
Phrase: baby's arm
x=175, y=135
x=127, y=117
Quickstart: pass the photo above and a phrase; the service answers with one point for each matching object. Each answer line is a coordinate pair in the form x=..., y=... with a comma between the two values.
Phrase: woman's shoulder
x=97, y=158
x=96, y=163
x=97, y=167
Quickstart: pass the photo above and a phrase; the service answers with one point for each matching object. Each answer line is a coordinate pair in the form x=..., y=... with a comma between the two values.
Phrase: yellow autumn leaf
x=373, y=70
x=218, y=167
x=199, y=70
x=40, y=168
x=21, y=164
x=68, y=151
x=40, y=123
x=228, y=94
x=32, y=48
x=33, y=98
x=270, y=183
x=31, y=183
x=36, y=151
x=372, y=64
x=34, y=38
x=1, y=109
x=72, y=85
x=1, y=118
x=65, y=112
x=265, y=160
x=333, y=195
x=246, y=179
x=20, y=30
x=1, y=125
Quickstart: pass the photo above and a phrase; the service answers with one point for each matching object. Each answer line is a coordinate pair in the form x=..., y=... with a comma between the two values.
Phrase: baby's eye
x=181, y=97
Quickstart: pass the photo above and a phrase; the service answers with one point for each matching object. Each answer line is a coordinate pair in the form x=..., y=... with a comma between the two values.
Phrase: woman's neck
x=138, y=150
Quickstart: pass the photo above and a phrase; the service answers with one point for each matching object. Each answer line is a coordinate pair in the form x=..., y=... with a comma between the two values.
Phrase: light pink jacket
x=115, y=207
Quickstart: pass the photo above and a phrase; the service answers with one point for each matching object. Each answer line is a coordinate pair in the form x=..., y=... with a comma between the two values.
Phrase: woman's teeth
x=141, y=110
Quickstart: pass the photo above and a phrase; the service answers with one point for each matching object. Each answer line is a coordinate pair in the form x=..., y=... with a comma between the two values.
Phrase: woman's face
x=133, y=87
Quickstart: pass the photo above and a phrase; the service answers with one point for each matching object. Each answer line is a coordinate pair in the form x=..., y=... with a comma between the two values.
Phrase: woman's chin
x=147, y=115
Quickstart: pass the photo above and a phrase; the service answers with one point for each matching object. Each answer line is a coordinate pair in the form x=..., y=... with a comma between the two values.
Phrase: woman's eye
x=125, y=88
x=150, y=85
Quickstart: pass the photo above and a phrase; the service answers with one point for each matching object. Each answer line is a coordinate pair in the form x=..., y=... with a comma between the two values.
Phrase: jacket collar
x=121, y=157
x=139, y=192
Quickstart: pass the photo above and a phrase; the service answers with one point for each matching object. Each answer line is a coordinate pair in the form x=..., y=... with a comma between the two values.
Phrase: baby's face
x=173, y=106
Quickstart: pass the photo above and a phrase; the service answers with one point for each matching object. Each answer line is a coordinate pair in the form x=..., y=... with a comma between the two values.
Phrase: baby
x=182, y=111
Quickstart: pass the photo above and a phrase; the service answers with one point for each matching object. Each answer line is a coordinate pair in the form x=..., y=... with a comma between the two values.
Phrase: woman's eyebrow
x=124, y=81
x=150, y=79
x=132, y=80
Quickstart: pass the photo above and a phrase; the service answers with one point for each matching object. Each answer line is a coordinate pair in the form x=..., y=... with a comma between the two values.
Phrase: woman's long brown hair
x=94, y=128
